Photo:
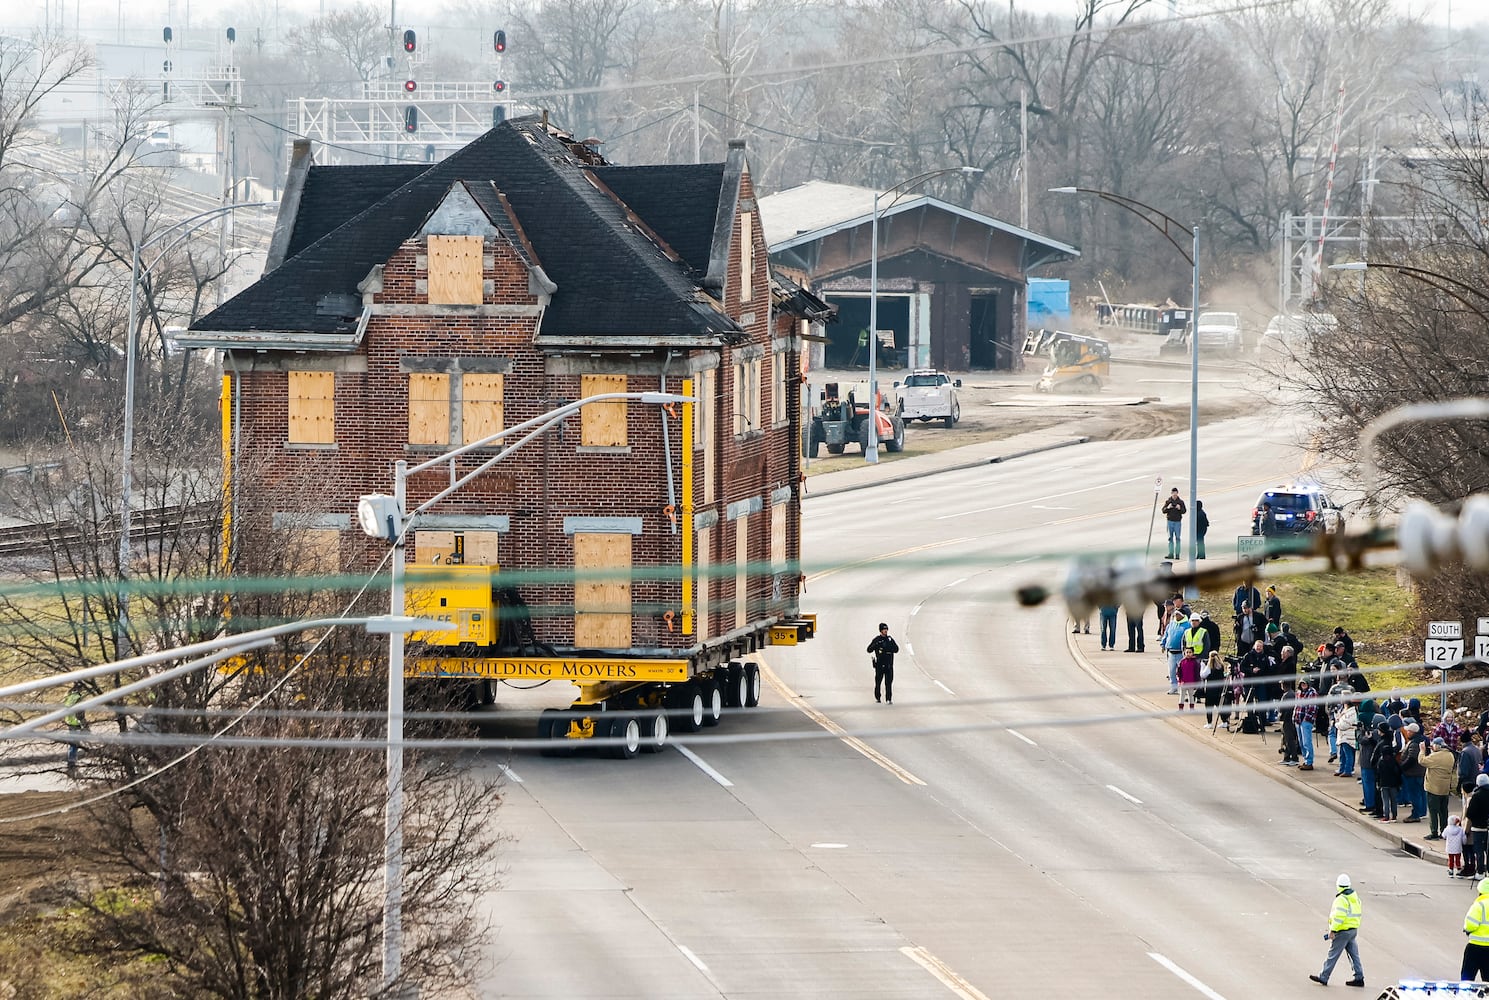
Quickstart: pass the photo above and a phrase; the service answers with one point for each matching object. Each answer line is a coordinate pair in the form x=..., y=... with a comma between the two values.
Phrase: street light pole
x=131, y=348
x=1169, y=227
x=389, y=518
x=871, y=451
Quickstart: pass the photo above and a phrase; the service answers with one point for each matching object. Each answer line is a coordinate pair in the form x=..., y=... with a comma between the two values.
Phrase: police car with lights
x=1297, y=510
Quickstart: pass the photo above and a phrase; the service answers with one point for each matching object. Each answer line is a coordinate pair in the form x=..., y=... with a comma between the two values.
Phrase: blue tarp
x=1049, y=303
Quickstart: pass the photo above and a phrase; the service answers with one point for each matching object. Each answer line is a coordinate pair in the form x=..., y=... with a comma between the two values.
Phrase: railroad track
x=154, y=522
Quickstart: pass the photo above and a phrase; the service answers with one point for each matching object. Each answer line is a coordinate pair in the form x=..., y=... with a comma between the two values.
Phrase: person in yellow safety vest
x=1476, y=926
x=74, y=722
x=1344, y=928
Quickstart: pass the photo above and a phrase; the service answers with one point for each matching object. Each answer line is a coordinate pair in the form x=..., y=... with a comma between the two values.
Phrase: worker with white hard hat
x=1344, y=928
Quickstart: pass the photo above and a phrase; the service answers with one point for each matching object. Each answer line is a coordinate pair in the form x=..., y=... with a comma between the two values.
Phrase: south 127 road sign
x=1444, y=646
x=1481, y=641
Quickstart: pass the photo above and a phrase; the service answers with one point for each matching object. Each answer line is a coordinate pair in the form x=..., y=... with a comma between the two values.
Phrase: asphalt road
x=977, y=838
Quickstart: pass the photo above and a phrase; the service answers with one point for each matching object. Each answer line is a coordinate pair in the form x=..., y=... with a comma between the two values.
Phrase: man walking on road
x=1344, y=928
x=1476, y=926
x=1174, y=510
x=883, y=648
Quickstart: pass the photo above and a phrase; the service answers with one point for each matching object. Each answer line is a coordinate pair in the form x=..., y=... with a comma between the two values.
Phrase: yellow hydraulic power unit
x=460, y=595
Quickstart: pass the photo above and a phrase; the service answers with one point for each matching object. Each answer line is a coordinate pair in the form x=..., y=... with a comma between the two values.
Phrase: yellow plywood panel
x=481, y=407
x=604, y=424
x=746, y=257
x=741, y=571
x=602, y=591
x=455, y=548
x=705, y=580
x=312, y=407
x=322, y=547
x=428, y=408
x=455, y=270
x=778, y=537
x=433, y=548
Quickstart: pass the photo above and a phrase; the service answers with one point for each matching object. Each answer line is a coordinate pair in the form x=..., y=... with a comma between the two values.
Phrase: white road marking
x=830, y=847
x=1170, y=966
x=1135, y=801
x=930, y=963
x=906, y=500
x=1015, y=732
x=909, y=649
x=702, y=765
x=1040, y=506
x=943, y=687
x=1027, y=559
x=956, y=583
x=509, y=773
x=1051, y=496
x=916, y=610
x=837, y=730
x=687, y=953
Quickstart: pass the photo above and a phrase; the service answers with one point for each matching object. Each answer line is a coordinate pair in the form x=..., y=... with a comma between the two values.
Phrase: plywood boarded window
x=322, y=551
x=312, y=408
x=481, y=408
x=747, y=396
x=703, y=434
x=778, y=376
x=455, y=270
x=602, y=591
x=428, y=408
x=705, y=581
x=455, y=548
x=778, y=538
x=746, y=257
x=741, y=571
x=603, y=424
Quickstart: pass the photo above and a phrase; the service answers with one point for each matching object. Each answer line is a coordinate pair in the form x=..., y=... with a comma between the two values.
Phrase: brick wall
x=550, y=479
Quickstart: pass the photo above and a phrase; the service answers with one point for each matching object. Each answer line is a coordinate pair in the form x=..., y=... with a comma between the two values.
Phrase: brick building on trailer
x=409, y=309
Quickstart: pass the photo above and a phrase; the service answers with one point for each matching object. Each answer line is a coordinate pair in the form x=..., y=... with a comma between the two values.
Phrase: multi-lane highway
x=974, y=839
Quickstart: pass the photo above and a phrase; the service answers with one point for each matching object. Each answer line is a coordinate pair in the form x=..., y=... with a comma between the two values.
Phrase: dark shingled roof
x=612, y=279
x=335, y=194
x=676, y=200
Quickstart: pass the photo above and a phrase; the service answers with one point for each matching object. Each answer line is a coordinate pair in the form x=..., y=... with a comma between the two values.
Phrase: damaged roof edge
x=278, y=340
x=723, y=223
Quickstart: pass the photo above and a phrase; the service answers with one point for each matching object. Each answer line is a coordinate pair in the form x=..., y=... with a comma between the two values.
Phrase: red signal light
x=410, y=85
x=499, y=86
x=409, y=40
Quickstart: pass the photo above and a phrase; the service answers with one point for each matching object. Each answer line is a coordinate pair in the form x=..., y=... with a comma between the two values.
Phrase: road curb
x=1284, y=777
x=907, y=476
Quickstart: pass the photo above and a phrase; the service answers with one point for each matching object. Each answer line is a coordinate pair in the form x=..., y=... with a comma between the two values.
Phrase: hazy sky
x=142, y=19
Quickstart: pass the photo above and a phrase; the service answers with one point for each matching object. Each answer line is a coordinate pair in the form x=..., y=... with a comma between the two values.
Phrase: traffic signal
x=410, y=85
x=429, y=153
x=411, y=119
x=499, y=86
x=498, y=115
x=168, y=36
x=500, y=42
x=232, y=36
x=410, y=42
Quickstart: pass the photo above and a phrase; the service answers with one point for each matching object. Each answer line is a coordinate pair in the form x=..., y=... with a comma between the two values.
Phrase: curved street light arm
x=1426, y=277
x=1142, y=211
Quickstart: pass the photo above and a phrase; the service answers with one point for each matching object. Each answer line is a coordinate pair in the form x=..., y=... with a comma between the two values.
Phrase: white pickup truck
x=928, y=394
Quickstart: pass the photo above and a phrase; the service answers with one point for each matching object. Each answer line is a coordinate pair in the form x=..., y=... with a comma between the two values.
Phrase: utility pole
x=1023, y=158
x=697, y=130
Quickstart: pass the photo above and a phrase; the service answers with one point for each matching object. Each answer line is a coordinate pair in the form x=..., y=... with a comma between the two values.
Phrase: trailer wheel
x=752, y=684
x=835, y=449
x=713, y=702
x=734, y=685
x=625, y=729
x=686, y=704
x=656, y=731
x=552, y=725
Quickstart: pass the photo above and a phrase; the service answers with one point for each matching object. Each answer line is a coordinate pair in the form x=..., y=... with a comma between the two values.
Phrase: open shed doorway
x=988, y=345
x=843, y=349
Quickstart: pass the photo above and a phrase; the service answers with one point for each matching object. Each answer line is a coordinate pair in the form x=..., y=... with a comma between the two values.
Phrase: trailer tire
x=687, y=706
x=835, y=449
x=734, y=686
x=553, y=723
x=625, y=729
x=713, y=702
x=655, y=731
x=752, y=684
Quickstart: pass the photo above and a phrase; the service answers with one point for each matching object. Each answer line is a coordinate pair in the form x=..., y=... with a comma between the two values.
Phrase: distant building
x=951, y=281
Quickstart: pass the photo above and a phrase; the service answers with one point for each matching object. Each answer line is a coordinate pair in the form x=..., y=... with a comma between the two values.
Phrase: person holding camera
x=882, y=648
